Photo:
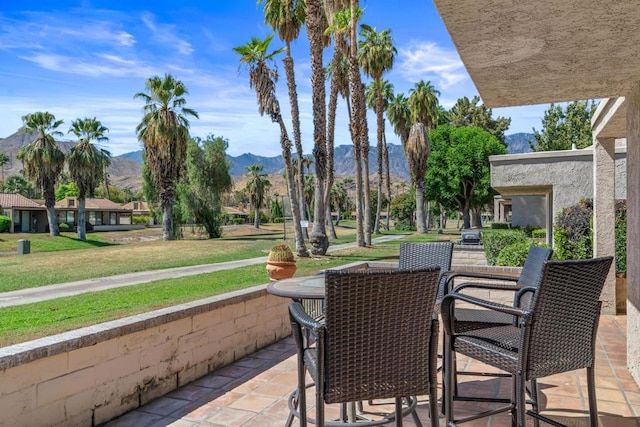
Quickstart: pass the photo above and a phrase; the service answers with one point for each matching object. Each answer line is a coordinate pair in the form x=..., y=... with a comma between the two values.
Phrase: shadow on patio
x=254, y=391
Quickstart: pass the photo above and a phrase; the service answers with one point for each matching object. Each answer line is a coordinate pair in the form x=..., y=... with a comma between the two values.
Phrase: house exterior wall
x=94, y=374
x=567, y=174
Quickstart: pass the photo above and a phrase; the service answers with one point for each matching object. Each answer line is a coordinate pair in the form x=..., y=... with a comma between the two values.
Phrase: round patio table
x=297, y=288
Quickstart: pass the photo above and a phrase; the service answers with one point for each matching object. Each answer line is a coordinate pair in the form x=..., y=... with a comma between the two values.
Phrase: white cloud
x=167, y=34
x=428, y=61
x=96, y=66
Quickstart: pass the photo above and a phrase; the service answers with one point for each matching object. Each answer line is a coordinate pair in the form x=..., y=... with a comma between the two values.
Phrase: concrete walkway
x=42, y=293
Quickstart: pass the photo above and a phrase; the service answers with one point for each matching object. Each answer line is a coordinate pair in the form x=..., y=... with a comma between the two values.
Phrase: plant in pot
x=280, y=263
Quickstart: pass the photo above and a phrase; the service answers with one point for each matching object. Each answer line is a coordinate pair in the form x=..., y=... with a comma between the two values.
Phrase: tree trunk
x=331, y=127
x=466, y=217
x=318, y=239
x=285, y=143
x=256, y=216
x=50, y=202
x=167, y=222
x=364, y=141
x=82, y=225
x=420, y=214
x=386, y=165
x=380, y=125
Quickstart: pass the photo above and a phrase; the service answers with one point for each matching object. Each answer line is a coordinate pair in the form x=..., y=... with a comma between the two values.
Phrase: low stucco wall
x=91, y=375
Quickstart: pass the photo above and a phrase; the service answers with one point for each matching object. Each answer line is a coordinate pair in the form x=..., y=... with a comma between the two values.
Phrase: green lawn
x=25, y=322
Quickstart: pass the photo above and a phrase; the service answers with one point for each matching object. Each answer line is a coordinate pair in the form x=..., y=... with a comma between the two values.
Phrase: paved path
x=42, y=293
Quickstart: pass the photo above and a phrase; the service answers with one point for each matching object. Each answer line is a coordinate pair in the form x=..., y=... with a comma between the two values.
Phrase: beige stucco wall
x=89, y=376
x=568, y=174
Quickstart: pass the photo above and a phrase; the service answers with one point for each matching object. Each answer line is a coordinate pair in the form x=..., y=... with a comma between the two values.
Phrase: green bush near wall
x=500, y=226
x=5, y=223
x=515, y=254
x=495, y=241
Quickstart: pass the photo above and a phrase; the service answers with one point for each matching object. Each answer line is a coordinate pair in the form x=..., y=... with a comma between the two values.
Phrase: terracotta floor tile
x=230, y=417
x=253, y=402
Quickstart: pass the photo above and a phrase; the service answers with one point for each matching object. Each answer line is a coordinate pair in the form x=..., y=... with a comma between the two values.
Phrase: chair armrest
x=448, y=309
x=483, y=285
x=302, y=318
x=521, y=293
x=451, y=277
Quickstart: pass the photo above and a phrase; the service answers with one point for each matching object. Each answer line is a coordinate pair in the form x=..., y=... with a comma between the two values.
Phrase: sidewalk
x=43, y=293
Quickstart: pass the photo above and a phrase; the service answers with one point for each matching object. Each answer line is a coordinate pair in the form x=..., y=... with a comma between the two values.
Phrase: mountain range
x=125, y=170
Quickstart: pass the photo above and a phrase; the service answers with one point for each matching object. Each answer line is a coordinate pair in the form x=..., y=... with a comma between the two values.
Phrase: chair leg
x=591, y=390
x=521, y=399
x=534, y=401
x=319, y=405
x=448, y=382
x=433, y=403
x=398, y=411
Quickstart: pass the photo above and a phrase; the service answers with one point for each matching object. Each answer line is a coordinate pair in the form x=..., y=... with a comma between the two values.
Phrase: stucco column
x=604, y=213
x=633, y=231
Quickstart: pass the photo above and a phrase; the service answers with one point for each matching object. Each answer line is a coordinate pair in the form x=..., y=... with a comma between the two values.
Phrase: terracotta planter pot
x=280, y=270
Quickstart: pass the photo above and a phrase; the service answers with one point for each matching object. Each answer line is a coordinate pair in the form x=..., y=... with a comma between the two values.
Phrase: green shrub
x=278, y=220
x=539, y=233
x=404, y=225
x=495, y=241
x=621, y=236
x=500, y=226
x=238, y=220
x=64, y=227
x=140, y=219
x=5, y=223
x=572, y=234
x=514, y=254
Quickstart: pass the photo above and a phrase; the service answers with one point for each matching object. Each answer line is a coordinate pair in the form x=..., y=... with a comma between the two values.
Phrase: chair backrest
x=378, y=334
x=566, y=309
x=533, y=266
x=425, y=255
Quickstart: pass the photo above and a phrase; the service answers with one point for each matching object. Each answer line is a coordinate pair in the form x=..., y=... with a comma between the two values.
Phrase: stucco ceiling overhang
x=521, y=52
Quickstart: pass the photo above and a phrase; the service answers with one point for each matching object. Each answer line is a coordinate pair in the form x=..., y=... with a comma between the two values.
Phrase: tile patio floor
x=253, y=392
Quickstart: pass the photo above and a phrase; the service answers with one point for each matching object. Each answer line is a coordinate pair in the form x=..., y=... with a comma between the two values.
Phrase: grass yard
x=65, y=258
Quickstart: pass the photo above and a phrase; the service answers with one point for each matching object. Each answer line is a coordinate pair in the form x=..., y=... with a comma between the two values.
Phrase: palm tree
x=339, y=198
x=315, y=32
x=345, y=16
x=4, y=159
x=86, y=163
x=286, y=17
x=43, y=160
x=423, y=103
x=256, y=187
x=261, y=77
x=399, y=116
x=164, y=130
x=417, y=150
x=380, y=91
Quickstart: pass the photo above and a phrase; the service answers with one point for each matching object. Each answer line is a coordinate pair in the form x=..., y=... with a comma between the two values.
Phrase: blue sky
x=88, y=58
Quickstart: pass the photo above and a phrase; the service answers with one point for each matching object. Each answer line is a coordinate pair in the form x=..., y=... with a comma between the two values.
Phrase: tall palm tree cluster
x=368, y=51
x=44, y=161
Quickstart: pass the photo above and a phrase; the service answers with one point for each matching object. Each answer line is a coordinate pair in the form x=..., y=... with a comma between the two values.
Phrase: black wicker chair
x=426, y=255
x=556, y=333
x=376, y=342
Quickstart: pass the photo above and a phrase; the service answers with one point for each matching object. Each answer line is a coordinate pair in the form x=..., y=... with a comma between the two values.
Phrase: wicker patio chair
x=426, y=255
x=376, y=342
x=556, y=333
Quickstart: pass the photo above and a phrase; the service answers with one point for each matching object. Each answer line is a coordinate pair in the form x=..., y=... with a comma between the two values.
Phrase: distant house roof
x=136, y=205
x=10, y=200
x=90, y=203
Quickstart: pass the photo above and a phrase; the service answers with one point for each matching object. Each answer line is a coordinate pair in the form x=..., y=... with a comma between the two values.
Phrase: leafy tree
x=458, y=168
x=86, y=163
x=164, y=131
x=561, y=128
x=17, y=184
x=66, y=190
x=263, y=79
x=43, y=160
x=206, y=180
x=469, y=113
x=256, y=188
x=403, y=207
